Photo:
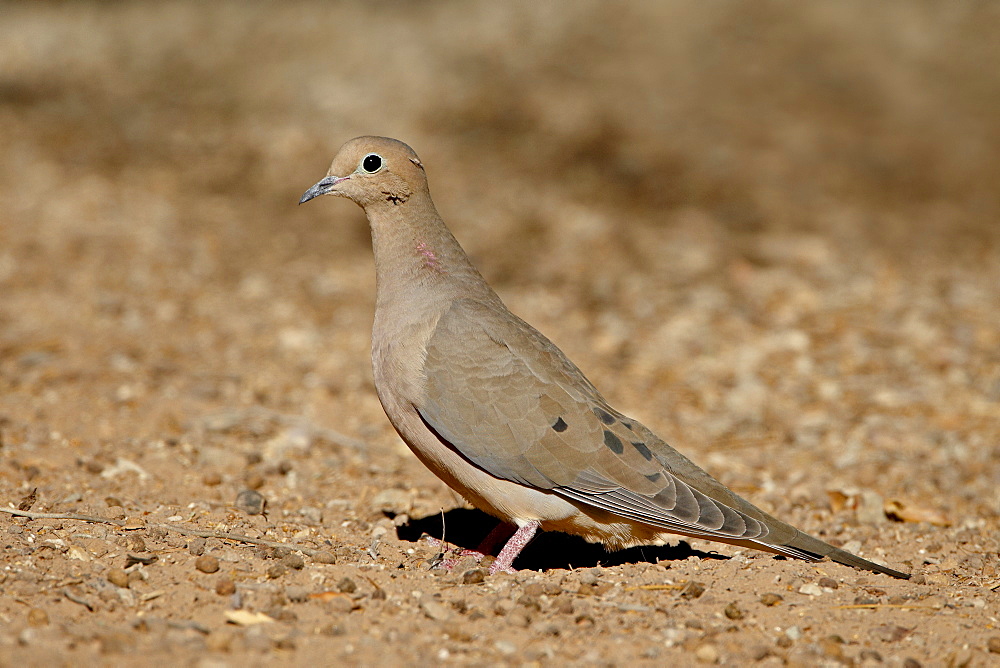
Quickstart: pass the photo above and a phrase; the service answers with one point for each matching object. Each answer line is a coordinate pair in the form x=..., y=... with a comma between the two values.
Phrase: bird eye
x=371, y=163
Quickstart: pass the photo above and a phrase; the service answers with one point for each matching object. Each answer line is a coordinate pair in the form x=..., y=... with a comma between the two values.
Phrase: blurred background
x=752, y=223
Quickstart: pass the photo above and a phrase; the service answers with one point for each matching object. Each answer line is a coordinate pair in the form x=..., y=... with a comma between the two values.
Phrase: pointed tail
x=804, y=546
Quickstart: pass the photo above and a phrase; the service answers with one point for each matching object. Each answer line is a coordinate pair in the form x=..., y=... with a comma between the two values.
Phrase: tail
x=804, y=546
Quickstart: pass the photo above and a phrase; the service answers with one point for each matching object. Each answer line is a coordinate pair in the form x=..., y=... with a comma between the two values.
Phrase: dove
x=500, y=414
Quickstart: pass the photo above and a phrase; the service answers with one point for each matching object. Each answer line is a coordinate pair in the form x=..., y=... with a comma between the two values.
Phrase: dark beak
x=322, y=188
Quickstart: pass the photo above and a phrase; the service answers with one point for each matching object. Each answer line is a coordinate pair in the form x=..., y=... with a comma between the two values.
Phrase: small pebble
x=770, y=599
x=733, y=611
x=828, y=583
x=197, y=547
x=347, y=586
x=993, y=645
x=276, y=571
x=297, y=594
x=294, y=561
x=211, y=479
x=225, y=587
x=693, y=590
x=118, y=577
x=255, y=481
x=811, y=589
x=207, y=564
x=474, y=576
x=707, y=654
x=38, y=617
x=341, y=604
x=251, y=502
x=910, y=662
x=324, y=557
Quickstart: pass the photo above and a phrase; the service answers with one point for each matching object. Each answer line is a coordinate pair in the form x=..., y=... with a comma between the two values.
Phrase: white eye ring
x=371, y=163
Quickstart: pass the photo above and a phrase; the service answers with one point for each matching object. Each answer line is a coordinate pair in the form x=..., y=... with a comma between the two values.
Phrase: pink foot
x=517, y=542
x=497, y=535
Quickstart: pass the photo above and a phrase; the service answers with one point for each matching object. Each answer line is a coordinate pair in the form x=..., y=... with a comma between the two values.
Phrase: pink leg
x=497, y=535
x=517, y=542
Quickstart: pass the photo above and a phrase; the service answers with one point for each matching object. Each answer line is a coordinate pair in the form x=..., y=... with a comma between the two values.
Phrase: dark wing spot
x=653, y=477
x=606, y=417
x=627, y=425
x=560, y=425
x=643, y=450
x=613, y=442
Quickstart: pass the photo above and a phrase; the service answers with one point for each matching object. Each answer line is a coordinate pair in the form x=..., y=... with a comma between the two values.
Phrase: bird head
x=372, y=171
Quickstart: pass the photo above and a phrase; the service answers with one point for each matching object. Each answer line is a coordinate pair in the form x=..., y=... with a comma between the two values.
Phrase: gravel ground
x=768, y=230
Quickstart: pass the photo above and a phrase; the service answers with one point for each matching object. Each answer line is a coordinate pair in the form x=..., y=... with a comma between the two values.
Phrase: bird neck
x=418, y=258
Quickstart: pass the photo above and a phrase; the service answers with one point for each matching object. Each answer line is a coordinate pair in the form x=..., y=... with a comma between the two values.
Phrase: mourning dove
x=500, y=414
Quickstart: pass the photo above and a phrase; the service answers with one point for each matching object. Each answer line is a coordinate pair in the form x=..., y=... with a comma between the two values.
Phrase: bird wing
x=510, y=402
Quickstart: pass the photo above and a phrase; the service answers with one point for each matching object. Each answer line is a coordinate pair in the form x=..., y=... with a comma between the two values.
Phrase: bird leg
x=517, y=542
x=498, y=534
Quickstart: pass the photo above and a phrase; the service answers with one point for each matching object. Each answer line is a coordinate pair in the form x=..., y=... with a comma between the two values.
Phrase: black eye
x=372, y=163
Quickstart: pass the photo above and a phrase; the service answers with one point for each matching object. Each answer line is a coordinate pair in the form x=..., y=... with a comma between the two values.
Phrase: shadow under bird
x=500, y=414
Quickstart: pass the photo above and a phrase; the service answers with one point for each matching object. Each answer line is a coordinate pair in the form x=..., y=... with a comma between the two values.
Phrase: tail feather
x=806, y=547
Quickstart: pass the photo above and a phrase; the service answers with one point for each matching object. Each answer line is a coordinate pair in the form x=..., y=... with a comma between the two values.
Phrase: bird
x=500, y=414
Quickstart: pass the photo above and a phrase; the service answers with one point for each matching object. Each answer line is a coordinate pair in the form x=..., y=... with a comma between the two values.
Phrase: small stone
x=870, y=655
x=207, y=564
x=294, y=561
x=770, y=599
x=910, y=662
x=297, y=594
x=211, y=479
x=251, y=502
x=254, y=481
x=474, y=576
x=118, y=577
x=793, y=632
x=693, y=590
x=225, y=587
x=993, y=645
x=435, y=610
x=197, y=547
x=324, y=557
x=340, y=604
x=784, y=642
x=811, y=589
x=275, y=571
x=733, y=611
x=347, y=586
x=113, y=502
x=707, y=654
x=135, y=542
x=38, y=617
x=828, y=583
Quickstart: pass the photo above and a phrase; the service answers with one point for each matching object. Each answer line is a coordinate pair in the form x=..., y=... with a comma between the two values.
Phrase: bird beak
x=324, y=187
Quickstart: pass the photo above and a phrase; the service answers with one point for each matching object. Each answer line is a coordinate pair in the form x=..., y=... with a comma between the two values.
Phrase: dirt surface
x=767, y=230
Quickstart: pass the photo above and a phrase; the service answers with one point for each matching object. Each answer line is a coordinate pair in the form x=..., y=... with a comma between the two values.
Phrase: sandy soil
x=767, y=230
